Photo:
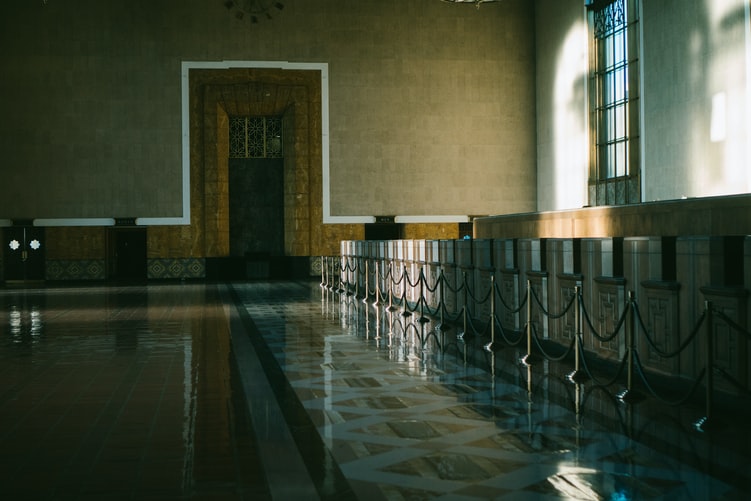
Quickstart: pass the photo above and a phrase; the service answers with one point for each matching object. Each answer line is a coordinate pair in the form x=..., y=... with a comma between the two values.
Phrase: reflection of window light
x=36, y=321
x=34, y=244
x=14, y=245
x=15, y=321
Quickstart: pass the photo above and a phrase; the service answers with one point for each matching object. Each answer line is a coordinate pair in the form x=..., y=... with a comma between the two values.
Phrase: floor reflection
x=411, y=412
x=289, y=391
x=125, y=392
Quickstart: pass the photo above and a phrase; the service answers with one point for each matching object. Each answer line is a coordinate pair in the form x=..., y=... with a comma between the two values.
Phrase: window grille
x=614, y=93
x=255, y=137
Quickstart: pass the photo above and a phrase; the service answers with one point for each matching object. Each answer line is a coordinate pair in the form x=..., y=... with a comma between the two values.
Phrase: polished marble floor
x=286, y=390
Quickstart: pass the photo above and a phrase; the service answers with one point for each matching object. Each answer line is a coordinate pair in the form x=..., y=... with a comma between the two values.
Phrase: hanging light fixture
x=254, y=9
x=475, y=2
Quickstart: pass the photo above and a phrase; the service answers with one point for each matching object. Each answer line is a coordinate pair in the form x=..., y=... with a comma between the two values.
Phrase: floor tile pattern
x=406, y=420
x=286, y=390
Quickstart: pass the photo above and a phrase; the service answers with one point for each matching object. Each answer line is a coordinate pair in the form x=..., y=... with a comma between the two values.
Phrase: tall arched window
x=614, y=109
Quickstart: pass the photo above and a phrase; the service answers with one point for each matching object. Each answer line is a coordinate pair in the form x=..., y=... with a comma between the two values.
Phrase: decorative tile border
x=315, y=266
x=75, y=269
x=176, y=268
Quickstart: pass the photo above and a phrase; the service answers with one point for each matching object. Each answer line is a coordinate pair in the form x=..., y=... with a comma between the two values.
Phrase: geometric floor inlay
x=446, y=466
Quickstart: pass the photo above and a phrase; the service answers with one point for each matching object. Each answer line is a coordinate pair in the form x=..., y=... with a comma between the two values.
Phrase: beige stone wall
x=430, y=231
x=695, y=102
x=443, y=97
x=561, y=83
x=431, y=112
x=695, y=99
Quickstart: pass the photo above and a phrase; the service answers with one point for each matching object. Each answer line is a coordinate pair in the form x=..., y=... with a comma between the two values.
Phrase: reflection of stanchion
x=355, y=312
x=377, y=325
x=577, y=375
x=464, y=308
x=578, y=427
x=529, y=358
x=492, y=376
x=367, y=323
x=491, y=345
x=706, y=423
x=629, y=395
x=529, y=400
x=323, y=299
x=389, y=315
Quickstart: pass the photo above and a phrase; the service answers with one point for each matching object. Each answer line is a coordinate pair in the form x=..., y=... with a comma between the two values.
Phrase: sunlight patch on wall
x=570, y=120
x=727, y=94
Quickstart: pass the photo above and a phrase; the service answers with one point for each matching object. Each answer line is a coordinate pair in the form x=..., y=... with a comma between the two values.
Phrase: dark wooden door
x=129, y=247
x=24, y=251
x=256, y=207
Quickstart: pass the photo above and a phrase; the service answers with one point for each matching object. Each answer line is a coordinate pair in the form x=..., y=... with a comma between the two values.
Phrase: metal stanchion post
x=391, y=289
x=707, y=422
x=464, y=308
x=577, y=376
x=405, y=303
x=322, y=272
x=423, y=319
x=441, y=328
x=367, y=282
x=629, y=395
x=354, y=272
x=491, y=345
x=342, y=273
x=377, y=286
x=529, y=359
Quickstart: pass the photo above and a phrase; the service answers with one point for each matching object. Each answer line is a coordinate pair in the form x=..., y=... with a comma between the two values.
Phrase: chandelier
x=475, y=2
x=254, y=9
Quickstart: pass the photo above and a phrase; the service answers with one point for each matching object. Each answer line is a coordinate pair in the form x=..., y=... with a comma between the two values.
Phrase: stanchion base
x=406, y=313
x=531, y=359
x=577, y=377
x=492, y=347
x=443, y=328
x=393, y=308
x=423, y=320
x=460, y=336
x=705, y=424
x=630, y=396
